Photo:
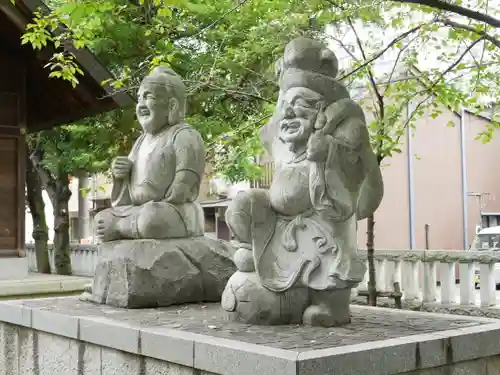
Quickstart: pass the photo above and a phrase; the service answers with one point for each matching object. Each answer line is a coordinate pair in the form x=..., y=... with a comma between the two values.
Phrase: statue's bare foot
x=106, y=228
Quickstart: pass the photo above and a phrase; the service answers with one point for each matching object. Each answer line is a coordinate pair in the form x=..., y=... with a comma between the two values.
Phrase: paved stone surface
x=209, y=319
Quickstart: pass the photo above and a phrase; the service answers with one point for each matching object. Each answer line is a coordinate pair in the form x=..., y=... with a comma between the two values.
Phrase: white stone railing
x=83, y=259
x=428, y=276
x=420, y=271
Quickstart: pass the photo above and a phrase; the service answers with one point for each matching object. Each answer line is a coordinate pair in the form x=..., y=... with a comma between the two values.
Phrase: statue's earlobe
x=278, y=68
x=173, y=105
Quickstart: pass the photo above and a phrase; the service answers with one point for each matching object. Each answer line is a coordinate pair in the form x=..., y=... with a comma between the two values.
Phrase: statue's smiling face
x=298, y=110
x=153, y=107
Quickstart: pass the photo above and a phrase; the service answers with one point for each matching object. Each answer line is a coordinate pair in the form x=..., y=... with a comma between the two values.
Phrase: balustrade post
x=411, y=289
x=51, y=259
x=447, y=276
x=467, y=295
x=488, y=284
x=363, y=285
x=380, y=272
x=31, y=259
x=389, y=275
x=74, y=260
x=429, y=285
x=398, y=272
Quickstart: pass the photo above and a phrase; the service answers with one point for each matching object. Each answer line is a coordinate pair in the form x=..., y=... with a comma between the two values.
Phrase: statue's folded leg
x=153, y=220
x=246, y=208
x=239, y=217
x=245, y=298
x=160, y=220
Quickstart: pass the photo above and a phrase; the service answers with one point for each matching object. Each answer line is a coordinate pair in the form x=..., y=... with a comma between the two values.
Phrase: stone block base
x=68, y=337
x=155, y=273
x=247, y=301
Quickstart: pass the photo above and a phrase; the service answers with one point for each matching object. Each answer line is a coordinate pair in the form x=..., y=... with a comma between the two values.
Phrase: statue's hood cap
x=163, y=75
x=309, y=63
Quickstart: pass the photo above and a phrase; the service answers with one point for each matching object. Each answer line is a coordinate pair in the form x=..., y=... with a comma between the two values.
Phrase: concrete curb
x=228, y=356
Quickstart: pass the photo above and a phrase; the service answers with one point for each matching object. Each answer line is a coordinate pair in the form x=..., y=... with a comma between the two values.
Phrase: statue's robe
x=156, y=187
x=303, y=230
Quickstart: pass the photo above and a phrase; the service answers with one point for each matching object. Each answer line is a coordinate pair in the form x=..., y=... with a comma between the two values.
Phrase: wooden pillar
x=12, y=156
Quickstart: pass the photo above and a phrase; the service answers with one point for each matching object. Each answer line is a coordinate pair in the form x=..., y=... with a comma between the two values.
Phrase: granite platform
x=67, y=336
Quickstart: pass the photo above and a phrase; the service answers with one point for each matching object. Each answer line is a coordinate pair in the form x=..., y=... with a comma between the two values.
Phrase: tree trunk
x=58, y=189
x=37, y=208
x=372, y=283
x=62, y=253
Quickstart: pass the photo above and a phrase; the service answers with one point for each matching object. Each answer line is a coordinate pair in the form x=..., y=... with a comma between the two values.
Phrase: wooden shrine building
x=31, y=101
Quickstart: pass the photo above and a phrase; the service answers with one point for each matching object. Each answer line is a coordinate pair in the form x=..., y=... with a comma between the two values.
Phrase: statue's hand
x=121, y=166
x=317, y=147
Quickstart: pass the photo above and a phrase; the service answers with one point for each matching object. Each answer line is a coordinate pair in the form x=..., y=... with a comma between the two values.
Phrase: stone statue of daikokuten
x=296, y=248
x=153, y=251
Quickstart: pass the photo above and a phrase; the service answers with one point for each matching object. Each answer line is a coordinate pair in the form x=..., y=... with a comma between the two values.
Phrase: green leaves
x=226, y=50
x=63, y=66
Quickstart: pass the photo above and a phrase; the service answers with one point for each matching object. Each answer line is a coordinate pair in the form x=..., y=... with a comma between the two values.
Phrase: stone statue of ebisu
x=155, y=187
x=153, y=249
x=296, y=250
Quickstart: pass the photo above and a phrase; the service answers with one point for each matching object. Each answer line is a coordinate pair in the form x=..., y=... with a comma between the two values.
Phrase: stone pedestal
x=66, y=336
x=154, y=273
x=247, y=301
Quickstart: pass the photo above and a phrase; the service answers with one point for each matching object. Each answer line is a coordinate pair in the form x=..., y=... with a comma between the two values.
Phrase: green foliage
x=225, y=51
x=432, y=64
x=88, y=146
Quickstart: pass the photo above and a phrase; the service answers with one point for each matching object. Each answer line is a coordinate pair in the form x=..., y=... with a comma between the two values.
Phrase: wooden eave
x=51, y=101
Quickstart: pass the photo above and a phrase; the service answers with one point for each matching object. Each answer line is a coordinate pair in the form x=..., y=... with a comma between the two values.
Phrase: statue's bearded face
x=155, y=107
x=298, y=110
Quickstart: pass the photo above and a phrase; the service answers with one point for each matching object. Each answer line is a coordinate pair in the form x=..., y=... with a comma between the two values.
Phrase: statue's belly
x=151, y=178
x=289, y=191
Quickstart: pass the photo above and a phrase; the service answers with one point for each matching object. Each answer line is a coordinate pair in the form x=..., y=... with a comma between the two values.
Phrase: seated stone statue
x=153, y=251
x=155, y=187
x=296, y=242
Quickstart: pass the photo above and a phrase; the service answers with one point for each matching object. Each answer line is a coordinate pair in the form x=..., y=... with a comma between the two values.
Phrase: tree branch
x=429, y=89
x=380, y=98
x=239, y=4
x=229, y=91
x=457, y=61
x=398, y=57
x=457, y=9
x=384, y=50
x=490, y=38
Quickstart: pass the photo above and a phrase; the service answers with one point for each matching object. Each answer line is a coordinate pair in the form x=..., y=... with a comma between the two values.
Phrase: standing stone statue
x=153, y=250
x=296, y=242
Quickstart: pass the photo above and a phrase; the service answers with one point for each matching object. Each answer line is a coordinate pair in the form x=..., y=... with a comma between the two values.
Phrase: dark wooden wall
x=12, y=155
